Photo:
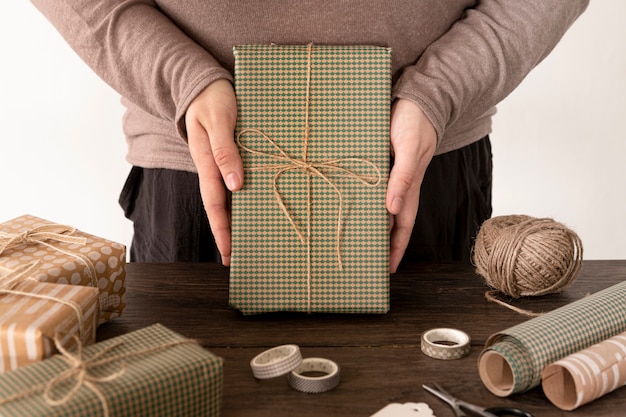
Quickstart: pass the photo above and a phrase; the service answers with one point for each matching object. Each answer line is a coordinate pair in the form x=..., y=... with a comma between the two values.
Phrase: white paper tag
x=405, y=410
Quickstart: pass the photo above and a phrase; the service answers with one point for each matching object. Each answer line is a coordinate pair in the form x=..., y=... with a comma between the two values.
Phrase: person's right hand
x=210, y=120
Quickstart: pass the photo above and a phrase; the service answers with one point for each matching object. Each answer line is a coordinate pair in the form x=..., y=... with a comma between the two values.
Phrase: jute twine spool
x=522, y=256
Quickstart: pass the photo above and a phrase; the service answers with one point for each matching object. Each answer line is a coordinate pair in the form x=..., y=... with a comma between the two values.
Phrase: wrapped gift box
x=33, y=314
x=310, y=231
x=149, y=372
x=68, y=256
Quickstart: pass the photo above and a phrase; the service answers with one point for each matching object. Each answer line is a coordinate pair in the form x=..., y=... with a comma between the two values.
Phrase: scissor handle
x=508, y=411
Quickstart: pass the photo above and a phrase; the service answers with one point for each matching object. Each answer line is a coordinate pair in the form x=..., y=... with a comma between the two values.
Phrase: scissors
x=460, y=407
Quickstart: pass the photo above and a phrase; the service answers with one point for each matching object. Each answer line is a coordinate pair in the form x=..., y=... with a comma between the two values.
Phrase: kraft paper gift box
x=68, y=256
x=33, y=314
x=149, y=372
x=310, y=231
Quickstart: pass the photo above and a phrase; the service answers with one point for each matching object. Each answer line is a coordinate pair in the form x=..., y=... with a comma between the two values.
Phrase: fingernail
x=232, y=181
x=396, y=205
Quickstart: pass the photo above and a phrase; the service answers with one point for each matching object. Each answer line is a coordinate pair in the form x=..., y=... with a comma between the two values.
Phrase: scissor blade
x=440, y=393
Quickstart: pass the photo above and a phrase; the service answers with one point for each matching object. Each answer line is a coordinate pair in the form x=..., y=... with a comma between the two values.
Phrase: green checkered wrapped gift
x=150, y=372
x=310, y=230
x=514, y=359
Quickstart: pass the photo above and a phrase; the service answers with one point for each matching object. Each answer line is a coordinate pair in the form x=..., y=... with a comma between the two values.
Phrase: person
x=172, y=63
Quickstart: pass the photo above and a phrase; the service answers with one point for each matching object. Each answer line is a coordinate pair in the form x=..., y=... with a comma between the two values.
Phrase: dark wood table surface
x=379, y=355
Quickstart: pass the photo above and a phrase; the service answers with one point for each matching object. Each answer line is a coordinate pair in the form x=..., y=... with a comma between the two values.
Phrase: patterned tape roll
x=315, y=384
x=445, y=343
x=276, y=361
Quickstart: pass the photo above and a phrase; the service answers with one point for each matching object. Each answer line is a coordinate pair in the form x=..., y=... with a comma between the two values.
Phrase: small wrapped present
x=33, y=314
x=149, y=372
x=310, y=231
x=68, y=256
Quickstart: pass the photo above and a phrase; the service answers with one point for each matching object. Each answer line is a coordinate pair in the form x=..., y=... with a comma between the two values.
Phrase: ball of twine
x=521, y=255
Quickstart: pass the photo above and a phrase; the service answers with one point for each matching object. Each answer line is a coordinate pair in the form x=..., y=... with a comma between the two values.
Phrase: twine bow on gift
x=50, y=232
x=80, y=373
x=318, y=168
x=324, y=169
x=39, y=234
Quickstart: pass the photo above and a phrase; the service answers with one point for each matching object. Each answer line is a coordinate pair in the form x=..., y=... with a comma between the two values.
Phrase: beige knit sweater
x=456, y=59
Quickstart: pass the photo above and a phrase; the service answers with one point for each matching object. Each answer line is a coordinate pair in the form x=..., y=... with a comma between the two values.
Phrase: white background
x=559, y=140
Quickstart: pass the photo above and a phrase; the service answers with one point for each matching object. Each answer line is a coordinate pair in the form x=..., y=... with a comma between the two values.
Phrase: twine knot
x=55, y=233
x=521, y=256
x=320, y=169
x=78, y=373
x=80, y=368
x=40, y=234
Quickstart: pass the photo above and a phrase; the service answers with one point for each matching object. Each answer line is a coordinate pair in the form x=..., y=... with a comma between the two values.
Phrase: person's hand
x=413, y=143
x=210, y=121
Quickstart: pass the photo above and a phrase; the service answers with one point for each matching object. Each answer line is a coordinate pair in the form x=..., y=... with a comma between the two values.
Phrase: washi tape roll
x=276, y=361
x=315, y=384
x=445, y=343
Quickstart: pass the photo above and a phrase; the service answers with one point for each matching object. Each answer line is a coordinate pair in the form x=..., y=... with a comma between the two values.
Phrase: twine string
x=22, y=273
x=79, y=372
x=39, y=234
x=521, y=256
x=55, y=233
x=321, y=169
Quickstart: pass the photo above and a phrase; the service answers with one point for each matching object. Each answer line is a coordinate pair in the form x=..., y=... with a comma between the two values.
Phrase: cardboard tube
x=586, y=375
x=496, y=373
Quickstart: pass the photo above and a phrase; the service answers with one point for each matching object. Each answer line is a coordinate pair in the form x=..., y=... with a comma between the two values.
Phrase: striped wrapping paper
x=149, y=372
x=29, y=324
x=513, y=359
x=94, y=262
x=586, y=375
x=310, y=228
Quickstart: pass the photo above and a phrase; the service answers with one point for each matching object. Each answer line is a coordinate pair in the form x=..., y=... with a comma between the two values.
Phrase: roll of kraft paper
x=586, y=375
x=513, y=359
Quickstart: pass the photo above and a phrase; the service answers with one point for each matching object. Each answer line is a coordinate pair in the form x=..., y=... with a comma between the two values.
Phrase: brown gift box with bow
x=33, y=314
x=67, y=256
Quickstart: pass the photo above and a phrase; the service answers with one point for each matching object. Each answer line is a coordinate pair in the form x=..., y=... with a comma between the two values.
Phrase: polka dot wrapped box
x=67, y=256
x=152, y=371
x=310, y=231
x=33, y=314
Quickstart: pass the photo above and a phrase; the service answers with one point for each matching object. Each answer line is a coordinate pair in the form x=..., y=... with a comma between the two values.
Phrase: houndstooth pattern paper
x=349, y=118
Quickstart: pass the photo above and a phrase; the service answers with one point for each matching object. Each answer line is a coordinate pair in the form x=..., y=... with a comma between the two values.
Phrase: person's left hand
x=210, y=122
x=413, y=143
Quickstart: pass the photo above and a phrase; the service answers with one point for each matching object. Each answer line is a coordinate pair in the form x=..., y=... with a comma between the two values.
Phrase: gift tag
x=405, y=410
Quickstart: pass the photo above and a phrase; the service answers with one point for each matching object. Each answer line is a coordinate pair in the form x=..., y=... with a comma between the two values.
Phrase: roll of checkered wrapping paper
x=514, y=359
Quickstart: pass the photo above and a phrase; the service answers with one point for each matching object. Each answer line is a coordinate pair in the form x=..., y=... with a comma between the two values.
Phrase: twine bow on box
x=324, y=169
x=79, y=373
x=54, y=233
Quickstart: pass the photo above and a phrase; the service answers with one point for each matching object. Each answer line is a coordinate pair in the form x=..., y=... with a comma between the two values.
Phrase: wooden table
x=379, y=355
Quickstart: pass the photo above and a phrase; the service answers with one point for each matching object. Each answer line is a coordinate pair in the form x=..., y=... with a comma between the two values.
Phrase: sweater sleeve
x=138, y=51
x=483, y=57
